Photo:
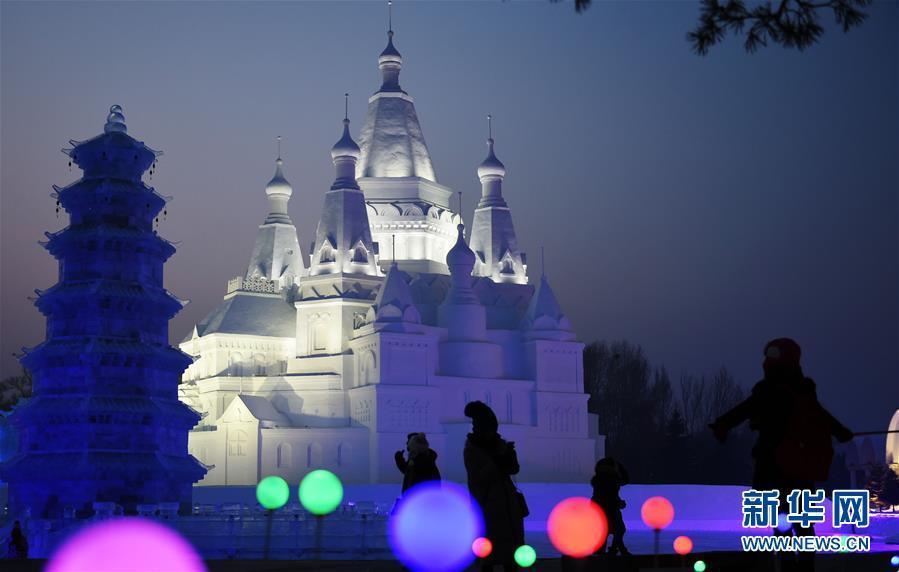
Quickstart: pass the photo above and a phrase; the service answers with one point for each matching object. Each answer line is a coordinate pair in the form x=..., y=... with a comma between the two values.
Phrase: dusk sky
x=698, y=206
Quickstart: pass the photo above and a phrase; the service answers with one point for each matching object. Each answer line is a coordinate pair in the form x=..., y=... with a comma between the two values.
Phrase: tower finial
x=390, y=17
x=490, y=127
x=346, y=106
x=279, y=147
x=460, y=205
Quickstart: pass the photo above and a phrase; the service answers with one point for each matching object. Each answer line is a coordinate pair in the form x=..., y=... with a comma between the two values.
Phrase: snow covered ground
x=229, y=524
x=710, y=515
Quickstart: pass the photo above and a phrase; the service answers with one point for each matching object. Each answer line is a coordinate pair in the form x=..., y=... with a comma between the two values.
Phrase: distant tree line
x=657, y=428
x=14, y=388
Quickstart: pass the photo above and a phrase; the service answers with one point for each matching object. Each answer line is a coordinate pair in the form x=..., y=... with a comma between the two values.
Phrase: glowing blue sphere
x=434, y=527
x=894, y=560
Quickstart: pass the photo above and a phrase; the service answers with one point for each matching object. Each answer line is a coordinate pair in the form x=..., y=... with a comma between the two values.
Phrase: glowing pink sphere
x=482, y=547
x=657, y=512
x=577, y=527
x=683, y=545
x=126, y=545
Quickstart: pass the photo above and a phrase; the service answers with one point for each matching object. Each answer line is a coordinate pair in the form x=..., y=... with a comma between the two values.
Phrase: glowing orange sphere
x=657, y=513
x=577, y=527
x=482, y=547
x=683, y=545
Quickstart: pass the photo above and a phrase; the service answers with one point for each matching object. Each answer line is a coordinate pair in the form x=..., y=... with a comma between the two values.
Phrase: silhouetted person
x=422, y=463
x=794, y=447
x=490, y=462
x=609, y=477
x=18, y=544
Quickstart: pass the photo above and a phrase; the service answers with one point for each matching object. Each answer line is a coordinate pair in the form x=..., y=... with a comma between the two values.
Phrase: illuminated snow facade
x=332, y=365
x=105, y=422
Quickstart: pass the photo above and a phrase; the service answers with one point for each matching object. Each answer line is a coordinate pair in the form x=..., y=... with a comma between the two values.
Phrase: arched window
x=285, y=454
x=313, y=456
x=319, y=336
x=360, y=256
x=344, y=454
x=259, y=364
x=326, y=254
x=235, y=364
x=507, y=267
x=237, y=443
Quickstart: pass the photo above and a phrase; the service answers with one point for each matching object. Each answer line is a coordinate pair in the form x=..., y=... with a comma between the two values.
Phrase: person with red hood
x=794, y=447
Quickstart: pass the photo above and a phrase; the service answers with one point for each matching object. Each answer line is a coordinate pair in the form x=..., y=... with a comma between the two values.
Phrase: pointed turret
x=391, y=140
x=276, y=254
x=460, y=261
x=394, y=309
x=343, y=242
x=544, y=318
x=493, y=234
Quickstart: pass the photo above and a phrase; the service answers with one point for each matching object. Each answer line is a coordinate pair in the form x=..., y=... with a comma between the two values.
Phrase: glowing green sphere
x=525, y=556
x=699, y=566
x=321, y=492
x=272, y=492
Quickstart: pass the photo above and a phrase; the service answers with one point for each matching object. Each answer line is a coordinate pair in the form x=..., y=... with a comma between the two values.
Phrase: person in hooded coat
x=421, y=466
x=794, y=448
x=490, y=462
x=18, y=544
x=609, y=477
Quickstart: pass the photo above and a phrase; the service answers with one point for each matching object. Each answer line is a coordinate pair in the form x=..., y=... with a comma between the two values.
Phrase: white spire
x=493, y=234
x=544, y=318
x=491, y=172
x=343, y=242
x=278, y=191
x=391, y=139
x=460, y=260
x=390, y=61
x=393, y=308
x=276, y=253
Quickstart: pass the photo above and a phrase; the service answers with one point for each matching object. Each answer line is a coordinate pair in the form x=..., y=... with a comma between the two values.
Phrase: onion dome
x=115, y=121
x=278, y=185
x=346, y=147
x=390, y=55
x=460, y=258
x=491, y=166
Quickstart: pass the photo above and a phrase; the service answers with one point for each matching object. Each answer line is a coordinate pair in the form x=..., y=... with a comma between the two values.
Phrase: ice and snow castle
x=389, y=324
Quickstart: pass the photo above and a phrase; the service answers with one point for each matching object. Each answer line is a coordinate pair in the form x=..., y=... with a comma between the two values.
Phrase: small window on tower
x=360, y=256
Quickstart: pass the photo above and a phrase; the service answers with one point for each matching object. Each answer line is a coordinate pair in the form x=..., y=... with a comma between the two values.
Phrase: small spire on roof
x=279, y=148
x=115, y=121
x=346, y=106
x=390, y=16
x=491, y=167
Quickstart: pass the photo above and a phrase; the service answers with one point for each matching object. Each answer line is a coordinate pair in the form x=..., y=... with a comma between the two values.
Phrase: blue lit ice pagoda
x=105, y=423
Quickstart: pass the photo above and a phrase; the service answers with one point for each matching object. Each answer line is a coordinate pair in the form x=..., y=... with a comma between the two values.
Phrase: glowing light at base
x=320, y=492
x=482, y=547
x=272, y=492
x=894, y=560
x=126, y=545
x=683, y=545
x=657, y=512
x=577, y=527
x=434, y=528
x=699, y=566
x=525, y=556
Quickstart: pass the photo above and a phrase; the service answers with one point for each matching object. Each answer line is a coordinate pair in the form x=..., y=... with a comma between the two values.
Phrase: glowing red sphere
x=683, y=545
x=577, y=527
x=482, y=547
x=657, y=512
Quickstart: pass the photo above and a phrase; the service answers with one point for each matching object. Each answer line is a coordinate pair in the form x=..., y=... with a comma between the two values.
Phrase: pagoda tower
x=104, y=423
